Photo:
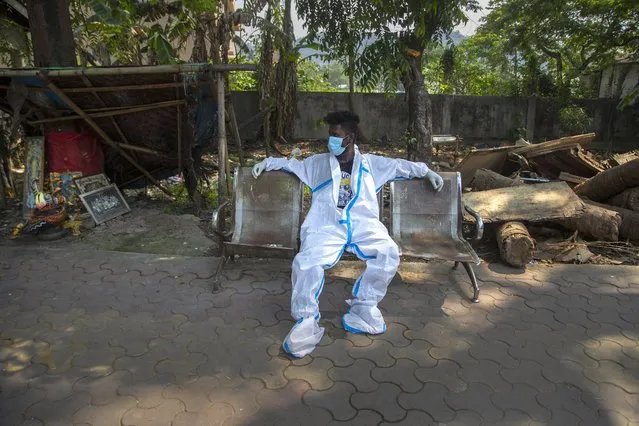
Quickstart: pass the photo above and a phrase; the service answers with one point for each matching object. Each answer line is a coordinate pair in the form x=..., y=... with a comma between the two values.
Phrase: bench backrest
x=268, y=209
x=428, y=224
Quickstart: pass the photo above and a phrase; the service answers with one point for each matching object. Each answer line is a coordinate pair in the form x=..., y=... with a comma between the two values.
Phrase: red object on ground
x=74, y=152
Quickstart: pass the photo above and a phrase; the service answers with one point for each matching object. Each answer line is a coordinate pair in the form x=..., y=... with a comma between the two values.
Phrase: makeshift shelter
x=150, y=120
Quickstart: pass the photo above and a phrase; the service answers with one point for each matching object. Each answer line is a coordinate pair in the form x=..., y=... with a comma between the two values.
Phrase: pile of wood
x=597, y=202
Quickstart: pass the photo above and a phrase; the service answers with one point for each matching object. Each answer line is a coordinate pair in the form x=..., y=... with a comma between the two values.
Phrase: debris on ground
x=562, y=155
x=594, y=197
x=489, y=158
x=628, y=199
x=598, y=223
x=531, y=203
x=484, y=180
x=629, y=229
x=515, y=244
x=611, y=182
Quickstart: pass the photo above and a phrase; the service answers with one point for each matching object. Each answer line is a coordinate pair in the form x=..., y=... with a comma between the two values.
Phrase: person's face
x=338, y=131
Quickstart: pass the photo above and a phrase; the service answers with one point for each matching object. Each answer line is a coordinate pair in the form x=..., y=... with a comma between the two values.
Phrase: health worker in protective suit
x=344, y=216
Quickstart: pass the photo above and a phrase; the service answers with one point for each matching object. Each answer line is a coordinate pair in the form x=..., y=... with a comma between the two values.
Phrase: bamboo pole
x=142, y=149
x=95, y=71
x=106, y=88
x=235, y=131
x=103, y=134
x=88, y=83
x=221, y=141
x=141, y=108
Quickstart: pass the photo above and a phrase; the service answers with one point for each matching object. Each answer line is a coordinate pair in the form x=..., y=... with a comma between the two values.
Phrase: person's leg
x=318, y=252
x=382, y=259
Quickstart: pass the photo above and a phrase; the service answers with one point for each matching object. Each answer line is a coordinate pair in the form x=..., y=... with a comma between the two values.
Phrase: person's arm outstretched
x=387, y=169
x=297, y=167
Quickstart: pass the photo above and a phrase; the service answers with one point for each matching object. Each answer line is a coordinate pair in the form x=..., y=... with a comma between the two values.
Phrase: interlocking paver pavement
x=105, y=338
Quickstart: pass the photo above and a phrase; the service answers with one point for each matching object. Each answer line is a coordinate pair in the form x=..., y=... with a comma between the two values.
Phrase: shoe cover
x=364, y=319
x=303, y=337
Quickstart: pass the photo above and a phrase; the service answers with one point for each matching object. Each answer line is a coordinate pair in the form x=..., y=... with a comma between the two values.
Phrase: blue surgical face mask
x=335, y=145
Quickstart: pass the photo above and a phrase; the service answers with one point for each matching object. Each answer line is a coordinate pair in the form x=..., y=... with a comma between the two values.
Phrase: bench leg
x=456, y=265
x=473, y=280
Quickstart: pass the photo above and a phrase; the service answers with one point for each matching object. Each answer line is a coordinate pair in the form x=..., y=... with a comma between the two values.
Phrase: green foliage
x=128, y=32
x=574, y=120
x=15, y=45
x=630, y=100
x=311, y=78
x=471, y=68
x=566, y=39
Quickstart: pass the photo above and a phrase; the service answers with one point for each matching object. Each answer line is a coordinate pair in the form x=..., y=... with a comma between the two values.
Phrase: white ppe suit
x=329, y=231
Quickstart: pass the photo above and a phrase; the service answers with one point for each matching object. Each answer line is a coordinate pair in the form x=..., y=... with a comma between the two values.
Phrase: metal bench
x=428, y=225
x=266, y=215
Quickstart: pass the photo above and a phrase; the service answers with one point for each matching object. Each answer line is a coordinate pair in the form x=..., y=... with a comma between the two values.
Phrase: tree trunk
x=484, y=180
x=286, y=81
x=420, y=141
x=600, y=224
x=351, y=82
x=629, y=229
x=198, y=55
x=51, y=33
x=629, y=199
x=265, y=81
x=515, y=244
x=611, y=182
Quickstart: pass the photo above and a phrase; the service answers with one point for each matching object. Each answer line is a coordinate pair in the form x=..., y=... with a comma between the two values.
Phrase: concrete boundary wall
x=477, y=119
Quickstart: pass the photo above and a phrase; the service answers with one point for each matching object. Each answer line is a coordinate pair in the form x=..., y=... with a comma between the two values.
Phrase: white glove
x=435, y=180
x=258, y=169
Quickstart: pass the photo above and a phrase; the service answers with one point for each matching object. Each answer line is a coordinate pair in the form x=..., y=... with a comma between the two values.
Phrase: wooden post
x=103, y=134
x=235, y=131
x=221, y=141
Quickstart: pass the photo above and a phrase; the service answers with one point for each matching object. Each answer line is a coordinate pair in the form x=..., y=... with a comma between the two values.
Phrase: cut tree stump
x=528, y=203
x=485, y=179
x=515, y=244
x=611, y=182
x=629, y=199
x=598, y=223
x=629, y=229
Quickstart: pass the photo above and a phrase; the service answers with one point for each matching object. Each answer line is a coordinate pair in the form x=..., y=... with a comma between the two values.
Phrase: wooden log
x=531, y=151
x=598, y=223
x=567, y=177
x=629, y=229
x=529, y=203
x=515, y=244
x=485, y=179
x=629, y=199
x=611, y=182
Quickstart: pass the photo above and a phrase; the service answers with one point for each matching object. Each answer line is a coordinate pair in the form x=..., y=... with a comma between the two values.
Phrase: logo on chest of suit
x=345, y=190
